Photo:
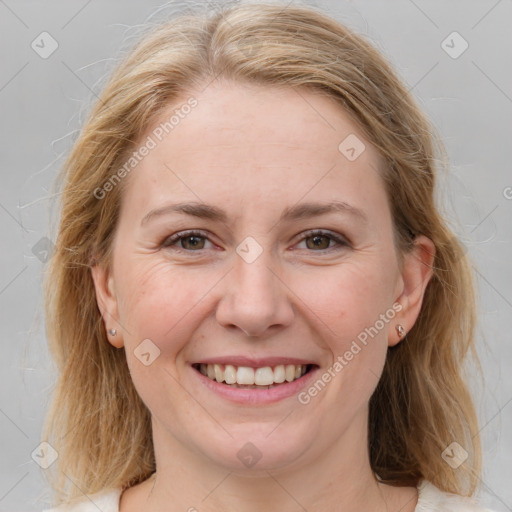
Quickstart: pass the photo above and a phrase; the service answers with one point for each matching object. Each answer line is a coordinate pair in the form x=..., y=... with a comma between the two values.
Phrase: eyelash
x=170, y=241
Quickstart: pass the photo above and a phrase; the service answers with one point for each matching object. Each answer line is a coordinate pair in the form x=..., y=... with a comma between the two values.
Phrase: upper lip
x=253, y=362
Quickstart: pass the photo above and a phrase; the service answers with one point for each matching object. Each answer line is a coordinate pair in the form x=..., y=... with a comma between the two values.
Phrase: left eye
x=322, y=240
x=194, y=241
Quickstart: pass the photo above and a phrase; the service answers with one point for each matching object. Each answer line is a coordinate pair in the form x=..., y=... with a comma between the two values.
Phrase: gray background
x=43, y=101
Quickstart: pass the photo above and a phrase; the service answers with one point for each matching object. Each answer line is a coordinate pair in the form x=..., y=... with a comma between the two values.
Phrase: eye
x=320, y=240
x=194, y=241
x=186, y=241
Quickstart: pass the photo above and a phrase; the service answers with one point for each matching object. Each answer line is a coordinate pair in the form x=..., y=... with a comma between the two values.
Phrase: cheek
x=347, y=298
x=158, y=301
x=352, y=311
x=350, y=308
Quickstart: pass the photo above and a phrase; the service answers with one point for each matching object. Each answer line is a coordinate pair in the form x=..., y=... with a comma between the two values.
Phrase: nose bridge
x=254, y=279
x=255, y=298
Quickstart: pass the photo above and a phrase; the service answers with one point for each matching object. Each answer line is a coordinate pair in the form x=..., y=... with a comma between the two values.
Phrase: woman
x=254, y=302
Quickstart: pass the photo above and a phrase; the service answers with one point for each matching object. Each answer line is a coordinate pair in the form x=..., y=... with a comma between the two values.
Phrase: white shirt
x=430, y=499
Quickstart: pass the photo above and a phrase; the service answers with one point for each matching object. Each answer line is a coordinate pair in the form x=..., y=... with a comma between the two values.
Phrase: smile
x=265, y=377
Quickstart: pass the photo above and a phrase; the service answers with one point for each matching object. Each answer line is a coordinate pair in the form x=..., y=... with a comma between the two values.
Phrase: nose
x=255, y=299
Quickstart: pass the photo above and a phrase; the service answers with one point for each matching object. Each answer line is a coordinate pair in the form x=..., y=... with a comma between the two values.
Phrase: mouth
x=248, y=377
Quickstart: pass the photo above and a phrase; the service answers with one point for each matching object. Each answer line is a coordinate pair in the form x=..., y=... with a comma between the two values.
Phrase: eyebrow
x=296, y=212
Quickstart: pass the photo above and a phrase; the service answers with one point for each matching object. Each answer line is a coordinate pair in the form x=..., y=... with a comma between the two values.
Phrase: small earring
x=112, y=332
x=400, y=331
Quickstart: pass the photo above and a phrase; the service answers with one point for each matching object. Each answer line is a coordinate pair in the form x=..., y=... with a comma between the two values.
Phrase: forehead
x=262, y=142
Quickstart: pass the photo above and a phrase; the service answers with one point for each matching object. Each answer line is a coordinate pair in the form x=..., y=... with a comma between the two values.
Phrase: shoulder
x=430, y=499
x=106, y=501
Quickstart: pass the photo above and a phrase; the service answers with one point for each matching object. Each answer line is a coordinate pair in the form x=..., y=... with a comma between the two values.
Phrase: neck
x=339, y=478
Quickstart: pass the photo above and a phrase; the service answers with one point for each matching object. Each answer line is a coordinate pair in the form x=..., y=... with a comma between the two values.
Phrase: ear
x=107, y=303
x=415, y=276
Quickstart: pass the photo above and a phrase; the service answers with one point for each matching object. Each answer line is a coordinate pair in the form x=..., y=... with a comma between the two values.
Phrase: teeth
x=290, y=372
x=230, y=374
x=219, y=373
x=245, y=375
x=264, y=376
x=279, y=374
x=253, y=377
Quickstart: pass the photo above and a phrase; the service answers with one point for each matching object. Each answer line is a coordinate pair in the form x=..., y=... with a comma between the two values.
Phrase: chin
x=253, y=451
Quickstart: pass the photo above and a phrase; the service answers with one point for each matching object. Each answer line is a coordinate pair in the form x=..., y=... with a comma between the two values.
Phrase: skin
x=253, y=151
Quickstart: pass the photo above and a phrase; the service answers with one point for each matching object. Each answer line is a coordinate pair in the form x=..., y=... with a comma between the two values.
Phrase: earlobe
x=107, y=304
x=416, y=274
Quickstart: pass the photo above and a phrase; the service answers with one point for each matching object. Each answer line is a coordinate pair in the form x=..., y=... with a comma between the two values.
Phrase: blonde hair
x=98, y=423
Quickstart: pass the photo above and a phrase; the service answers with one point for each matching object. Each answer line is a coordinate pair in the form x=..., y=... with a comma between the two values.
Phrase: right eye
x=187, y=241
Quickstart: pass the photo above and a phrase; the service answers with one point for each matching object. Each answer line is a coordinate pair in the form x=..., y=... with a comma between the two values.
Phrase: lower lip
x=254, y=396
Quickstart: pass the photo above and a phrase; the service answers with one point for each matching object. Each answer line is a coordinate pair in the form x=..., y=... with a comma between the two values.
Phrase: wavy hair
x=97, y=422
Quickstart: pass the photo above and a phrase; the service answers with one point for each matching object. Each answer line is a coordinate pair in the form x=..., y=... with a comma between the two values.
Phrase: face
x=257, y=274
